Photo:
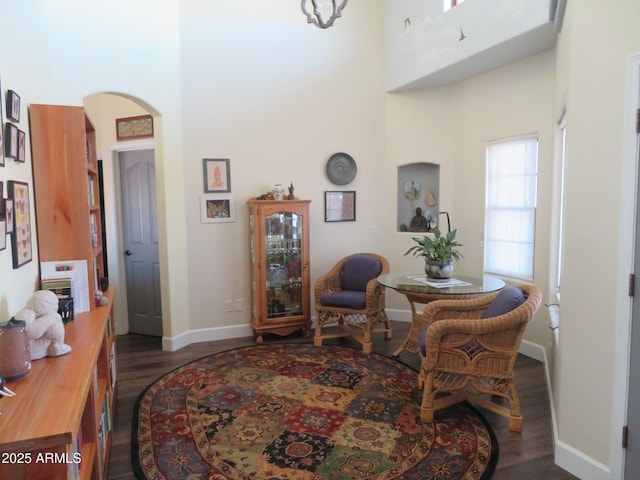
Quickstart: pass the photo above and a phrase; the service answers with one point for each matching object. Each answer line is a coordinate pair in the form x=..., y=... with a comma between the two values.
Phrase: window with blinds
x=510, y=208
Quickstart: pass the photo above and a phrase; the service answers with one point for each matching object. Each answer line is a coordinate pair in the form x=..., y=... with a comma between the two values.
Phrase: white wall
x=71, y=49
x=592, y=80
x=428, y=47
x=16, y=73
x=511, y=101
x=278, y=97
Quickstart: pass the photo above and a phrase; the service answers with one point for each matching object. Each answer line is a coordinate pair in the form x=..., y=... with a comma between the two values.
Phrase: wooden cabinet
x=66, y=189
x=279, y=257
x=59, y=423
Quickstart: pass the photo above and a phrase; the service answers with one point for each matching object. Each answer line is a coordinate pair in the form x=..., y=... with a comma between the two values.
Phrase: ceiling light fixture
x=322, y=13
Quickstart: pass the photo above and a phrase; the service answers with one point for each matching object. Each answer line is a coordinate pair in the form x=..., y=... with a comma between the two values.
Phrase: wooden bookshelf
x=67, y=188
x=51, y=428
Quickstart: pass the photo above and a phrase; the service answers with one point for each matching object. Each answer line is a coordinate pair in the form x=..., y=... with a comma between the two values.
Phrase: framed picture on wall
x=13, y=106
x=10, y=140
x=217, y=208
x=21, y=236
x=22, y=148
x=8, y=208
x=3, y=220
x=132, y=128
x=1, y=129
x=3, y=233
x=340, y=206
x=217, y=175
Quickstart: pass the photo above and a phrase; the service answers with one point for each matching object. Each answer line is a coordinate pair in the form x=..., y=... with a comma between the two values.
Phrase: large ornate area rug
x=291, y=411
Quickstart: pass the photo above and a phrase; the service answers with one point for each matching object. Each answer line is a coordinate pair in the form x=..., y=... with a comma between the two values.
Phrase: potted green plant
x=439, y=252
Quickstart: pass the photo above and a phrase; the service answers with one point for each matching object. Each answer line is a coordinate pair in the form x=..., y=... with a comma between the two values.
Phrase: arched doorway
x=135, y=281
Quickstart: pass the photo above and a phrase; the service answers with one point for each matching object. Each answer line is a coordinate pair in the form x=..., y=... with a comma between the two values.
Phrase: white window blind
x=510, y=210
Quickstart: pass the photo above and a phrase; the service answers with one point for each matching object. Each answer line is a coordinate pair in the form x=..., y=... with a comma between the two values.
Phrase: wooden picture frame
x=10, y=140
x=22, y=147
x=9, y=214
x=216, y=174
x=132, y=128
x=217, y=208
x=340, y=206
x=21, y=240
x=13, y=106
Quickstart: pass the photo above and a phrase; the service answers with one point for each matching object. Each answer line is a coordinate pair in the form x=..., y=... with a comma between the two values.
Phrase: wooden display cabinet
x=279, y=258
x=59, y=424
x=66, y=188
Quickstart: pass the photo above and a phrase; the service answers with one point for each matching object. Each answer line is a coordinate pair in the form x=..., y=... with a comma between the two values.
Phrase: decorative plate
x=431, y=217
x=412, y=189
x=341, y=168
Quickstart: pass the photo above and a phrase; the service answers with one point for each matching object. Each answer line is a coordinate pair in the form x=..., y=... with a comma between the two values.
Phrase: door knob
x=128, y=253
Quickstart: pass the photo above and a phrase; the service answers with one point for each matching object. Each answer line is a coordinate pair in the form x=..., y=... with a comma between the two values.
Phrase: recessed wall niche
x=418, y=194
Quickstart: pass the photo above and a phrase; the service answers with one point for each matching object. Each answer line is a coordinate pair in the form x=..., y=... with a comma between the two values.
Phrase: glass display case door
x=283, y=247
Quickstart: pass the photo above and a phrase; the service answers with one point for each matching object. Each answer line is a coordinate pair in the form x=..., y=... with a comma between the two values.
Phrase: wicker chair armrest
x=375, y=294
x=329, y=282
x=326, y=284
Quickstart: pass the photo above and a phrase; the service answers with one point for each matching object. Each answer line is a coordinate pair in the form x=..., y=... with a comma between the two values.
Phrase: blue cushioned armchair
x=350, y=296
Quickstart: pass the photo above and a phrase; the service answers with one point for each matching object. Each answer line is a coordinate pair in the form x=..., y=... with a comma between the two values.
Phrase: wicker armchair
x=350, y=296
x=469, y=348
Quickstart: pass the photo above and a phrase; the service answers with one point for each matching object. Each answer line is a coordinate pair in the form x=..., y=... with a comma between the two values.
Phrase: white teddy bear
x=44, y=325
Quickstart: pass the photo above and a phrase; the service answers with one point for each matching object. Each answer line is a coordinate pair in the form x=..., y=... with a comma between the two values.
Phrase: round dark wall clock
x=341, y=168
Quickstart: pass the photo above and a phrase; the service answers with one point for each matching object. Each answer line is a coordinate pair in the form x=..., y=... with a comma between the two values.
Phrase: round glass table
x=420, y=289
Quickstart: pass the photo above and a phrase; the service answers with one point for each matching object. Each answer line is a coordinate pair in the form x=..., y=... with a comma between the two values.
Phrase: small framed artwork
x=21, y=236
x=340, y=206
x=132, y=128
x=13, y=106
x=8, y=208
x=3, y=233
x=22, y=149
x=10, y=140
x=1, y=129
x=217, y=208
x=3, y=220
x=217, y=175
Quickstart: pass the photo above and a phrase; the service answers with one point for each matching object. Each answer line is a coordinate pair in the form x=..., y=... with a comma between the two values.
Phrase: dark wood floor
x=526, y=455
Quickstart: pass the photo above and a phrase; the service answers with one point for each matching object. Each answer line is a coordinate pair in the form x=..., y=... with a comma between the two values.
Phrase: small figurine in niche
x=291, y=197
x=419, y=223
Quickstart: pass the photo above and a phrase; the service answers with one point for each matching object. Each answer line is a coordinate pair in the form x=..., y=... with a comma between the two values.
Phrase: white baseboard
x=579, y=464
x=171, y=344
x=565, y=456
x=533, y=350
